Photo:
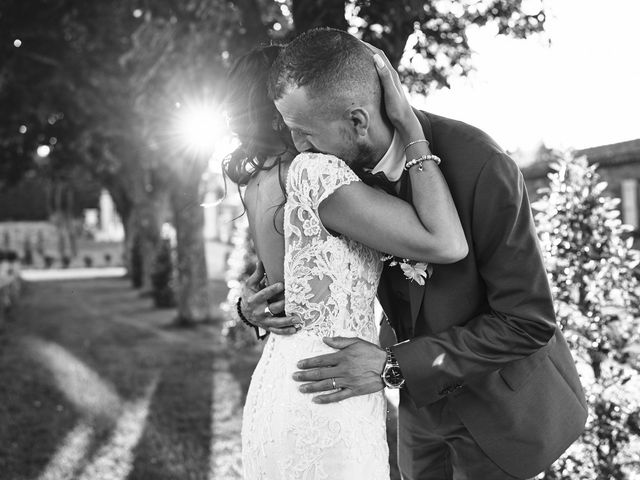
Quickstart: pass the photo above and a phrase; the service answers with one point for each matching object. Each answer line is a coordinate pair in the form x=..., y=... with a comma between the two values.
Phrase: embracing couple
x=350, y=193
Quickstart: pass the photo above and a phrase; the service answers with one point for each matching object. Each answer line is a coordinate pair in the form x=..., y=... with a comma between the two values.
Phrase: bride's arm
x=430, y=230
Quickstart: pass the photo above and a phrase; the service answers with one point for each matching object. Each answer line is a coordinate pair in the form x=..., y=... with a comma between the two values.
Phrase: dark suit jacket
x=482, y=332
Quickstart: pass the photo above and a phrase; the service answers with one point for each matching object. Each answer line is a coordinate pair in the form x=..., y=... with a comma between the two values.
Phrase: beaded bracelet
x=413, y=143
x=247, y=322
x=241, y=315
x=418, y=161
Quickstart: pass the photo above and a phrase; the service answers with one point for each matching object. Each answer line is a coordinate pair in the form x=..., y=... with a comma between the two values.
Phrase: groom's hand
x=356, y=369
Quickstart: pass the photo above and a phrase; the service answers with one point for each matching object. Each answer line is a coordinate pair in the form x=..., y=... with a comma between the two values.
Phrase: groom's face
x=318, y=126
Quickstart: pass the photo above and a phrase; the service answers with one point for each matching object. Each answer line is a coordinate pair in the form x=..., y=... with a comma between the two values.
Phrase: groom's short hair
x=330, y=63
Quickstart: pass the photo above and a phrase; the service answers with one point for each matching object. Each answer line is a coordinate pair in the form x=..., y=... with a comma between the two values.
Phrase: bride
x=300, y=210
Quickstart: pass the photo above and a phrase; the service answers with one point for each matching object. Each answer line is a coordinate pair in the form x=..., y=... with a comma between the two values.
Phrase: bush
x=48, y=261
x=240, y=265
x=590, y=261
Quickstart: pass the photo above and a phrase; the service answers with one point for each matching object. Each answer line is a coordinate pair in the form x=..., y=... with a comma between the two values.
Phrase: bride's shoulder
x=318, y=174
x=320, y=162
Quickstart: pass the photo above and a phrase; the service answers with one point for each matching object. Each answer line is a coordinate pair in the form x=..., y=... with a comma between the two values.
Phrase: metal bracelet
x=413, y=143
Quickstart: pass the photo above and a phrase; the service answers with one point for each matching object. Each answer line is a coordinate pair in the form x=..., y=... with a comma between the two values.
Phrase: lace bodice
x=331, y=281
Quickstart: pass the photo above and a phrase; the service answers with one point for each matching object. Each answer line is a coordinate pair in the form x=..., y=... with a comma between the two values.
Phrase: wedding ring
x=333, y=382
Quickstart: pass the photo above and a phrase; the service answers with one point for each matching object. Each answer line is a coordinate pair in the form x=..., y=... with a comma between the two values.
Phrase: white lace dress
x=331, y=283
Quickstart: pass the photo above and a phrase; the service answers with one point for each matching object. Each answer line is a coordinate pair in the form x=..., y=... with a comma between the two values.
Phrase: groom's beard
x=364, y=157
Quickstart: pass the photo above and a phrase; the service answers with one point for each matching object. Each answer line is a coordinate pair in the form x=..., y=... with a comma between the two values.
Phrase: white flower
x=417, y=272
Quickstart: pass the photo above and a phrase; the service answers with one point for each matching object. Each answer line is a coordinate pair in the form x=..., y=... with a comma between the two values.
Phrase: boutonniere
x=417, y=272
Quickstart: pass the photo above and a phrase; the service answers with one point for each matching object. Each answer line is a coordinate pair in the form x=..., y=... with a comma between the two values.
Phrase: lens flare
x=201, y=128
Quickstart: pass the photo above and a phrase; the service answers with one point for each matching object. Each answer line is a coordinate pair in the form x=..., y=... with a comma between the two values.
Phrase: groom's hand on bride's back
x=351, y=371
x=260, y=307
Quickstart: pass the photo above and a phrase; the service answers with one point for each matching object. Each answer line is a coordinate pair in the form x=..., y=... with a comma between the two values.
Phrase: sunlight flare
x=200, y=128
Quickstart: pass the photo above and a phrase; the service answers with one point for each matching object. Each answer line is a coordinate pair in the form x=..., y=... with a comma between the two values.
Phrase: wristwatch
x=391, y=374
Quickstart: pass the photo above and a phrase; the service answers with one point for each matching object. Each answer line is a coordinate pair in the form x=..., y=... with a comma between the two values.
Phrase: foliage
x=239, y=266
x=102, y=83
x=432, y=36
x=99, y=81
x=591, y=266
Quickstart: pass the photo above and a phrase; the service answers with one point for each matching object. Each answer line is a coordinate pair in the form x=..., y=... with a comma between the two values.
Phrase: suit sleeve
x=520, y=318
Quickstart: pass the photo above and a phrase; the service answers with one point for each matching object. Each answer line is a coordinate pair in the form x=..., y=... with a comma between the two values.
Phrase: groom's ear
x=360, y=120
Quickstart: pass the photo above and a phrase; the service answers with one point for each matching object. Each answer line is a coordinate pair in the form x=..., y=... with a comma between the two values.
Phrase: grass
x=70, y=347
x=94, y=383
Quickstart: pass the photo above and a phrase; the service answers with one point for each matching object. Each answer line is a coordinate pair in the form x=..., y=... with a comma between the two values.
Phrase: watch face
x=393, y=377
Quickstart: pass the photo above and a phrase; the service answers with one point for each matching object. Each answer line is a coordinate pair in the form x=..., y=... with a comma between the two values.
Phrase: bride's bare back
x=263, y=199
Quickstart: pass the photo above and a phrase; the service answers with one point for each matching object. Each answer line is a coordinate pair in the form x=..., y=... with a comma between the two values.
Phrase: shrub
x=590, y=261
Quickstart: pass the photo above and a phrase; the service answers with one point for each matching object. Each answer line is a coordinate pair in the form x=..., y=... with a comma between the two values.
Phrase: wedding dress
x=331, y=284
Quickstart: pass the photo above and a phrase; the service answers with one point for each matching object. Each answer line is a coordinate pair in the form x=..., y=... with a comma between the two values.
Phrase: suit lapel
x=416, y=291
x=384, y=293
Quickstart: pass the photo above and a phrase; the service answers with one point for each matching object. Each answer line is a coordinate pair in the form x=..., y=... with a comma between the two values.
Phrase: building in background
x=49, y=224
x=619, y=166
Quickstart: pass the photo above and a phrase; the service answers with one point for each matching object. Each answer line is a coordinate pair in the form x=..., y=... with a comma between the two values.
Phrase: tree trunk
x=122, y=202
x=147, y=215
x=192, y=290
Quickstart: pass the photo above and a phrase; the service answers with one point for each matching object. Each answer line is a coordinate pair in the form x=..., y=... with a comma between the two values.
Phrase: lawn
x=94, y=381
x=95, y=384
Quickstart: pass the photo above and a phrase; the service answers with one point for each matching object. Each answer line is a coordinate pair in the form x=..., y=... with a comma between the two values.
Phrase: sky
x=582, y=90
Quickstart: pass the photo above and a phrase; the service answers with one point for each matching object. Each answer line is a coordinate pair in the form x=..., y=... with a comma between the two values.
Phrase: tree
x=65, y=87
x=591, y=266
x=100, y=82
x=163, y=276
x=431, y=32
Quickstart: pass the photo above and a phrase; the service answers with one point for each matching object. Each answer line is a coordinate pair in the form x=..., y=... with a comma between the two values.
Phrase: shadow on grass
x=70, y=345
x=176, y=441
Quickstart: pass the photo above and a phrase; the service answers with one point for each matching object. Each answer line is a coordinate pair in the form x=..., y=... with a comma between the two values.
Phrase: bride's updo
x=253, y=116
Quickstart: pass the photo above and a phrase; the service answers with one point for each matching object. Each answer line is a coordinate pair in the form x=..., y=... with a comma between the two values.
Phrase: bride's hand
x=396, y=103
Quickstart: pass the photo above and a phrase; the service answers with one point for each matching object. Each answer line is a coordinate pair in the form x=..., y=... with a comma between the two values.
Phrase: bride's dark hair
x=253, y=118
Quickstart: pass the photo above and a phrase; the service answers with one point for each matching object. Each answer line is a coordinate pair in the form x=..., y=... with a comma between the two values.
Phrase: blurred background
x=122, y=249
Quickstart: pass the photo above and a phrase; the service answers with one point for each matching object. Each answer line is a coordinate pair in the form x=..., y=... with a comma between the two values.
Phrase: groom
x=488, y=388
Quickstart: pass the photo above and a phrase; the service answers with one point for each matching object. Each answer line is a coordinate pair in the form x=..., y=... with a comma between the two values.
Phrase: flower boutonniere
x=417, y=272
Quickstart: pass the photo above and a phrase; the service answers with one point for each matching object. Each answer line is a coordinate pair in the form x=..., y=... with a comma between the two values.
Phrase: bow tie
x=378, y=180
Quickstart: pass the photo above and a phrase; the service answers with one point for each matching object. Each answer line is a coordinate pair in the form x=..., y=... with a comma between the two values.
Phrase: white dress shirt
x=393, y=161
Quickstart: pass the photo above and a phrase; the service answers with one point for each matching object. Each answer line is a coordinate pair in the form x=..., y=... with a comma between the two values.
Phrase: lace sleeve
x=314, y=176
